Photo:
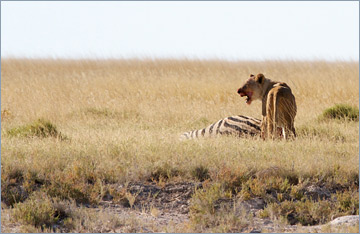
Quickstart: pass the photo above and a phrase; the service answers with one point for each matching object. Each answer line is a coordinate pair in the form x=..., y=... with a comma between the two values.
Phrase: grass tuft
x=200, y=173
x=164, y=172
x=310, y=212
x=40, y=128
x=39, y=211
x=208, y=214
x=341, y=111
x=42, y=213
x=12, y=190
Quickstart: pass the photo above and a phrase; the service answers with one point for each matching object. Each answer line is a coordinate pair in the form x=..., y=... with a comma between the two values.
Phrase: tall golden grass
x=105, y=102
x=161, y=90
x=122, y=119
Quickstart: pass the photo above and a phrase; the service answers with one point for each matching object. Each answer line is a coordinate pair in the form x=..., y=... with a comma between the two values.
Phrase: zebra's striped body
x=237, y=125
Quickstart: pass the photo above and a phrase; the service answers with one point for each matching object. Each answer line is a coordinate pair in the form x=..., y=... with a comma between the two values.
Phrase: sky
x=234, y=30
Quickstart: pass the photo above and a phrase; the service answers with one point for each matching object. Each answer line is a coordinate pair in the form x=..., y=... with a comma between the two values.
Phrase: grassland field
x=115, y=123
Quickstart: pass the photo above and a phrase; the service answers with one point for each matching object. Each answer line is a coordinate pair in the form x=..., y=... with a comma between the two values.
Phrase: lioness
x=278, y=105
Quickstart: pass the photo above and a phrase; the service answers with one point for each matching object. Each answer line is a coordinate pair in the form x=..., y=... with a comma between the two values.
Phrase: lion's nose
x=239, y=91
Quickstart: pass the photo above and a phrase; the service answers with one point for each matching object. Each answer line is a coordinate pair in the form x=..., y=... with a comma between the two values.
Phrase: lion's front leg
x=263, y=128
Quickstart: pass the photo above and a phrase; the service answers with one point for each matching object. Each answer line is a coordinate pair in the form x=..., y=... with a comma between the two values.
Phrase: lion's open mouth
x=248, y=96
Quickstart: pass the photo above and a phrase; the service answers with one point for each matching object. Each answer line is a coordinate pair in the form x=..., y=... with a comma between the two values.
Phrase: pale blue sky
x=206, y=30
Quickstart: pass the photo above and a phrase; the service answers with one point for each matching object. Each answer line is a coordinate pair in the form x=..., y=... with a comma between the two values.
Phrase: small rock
x=346, y=220
x=255, y=231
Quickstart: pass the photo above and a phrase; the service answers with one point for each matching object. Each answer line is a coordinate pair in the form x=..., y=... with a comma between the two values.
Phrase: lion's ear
x=251, y=75
x=260, y=78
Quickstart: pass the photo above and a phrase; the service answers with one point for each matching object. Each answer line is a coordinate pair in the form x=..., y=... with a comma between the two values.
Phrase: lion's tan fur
x=278, y=105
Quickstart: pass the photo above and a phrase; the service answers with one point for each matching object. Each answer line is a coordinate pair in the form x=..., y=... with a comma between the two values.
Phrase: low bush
x=39, y=128
x=311, y=212
x=341, y=111
x=40, y=211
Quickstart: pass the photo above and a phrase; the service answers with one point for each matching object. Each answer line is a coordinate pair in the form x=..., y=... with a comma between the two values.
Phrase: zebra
x=238, y=125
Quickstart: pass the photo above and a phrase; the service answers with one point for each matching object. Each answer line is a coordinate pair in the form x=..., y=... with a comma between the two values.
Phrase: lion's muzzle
x=248, y=95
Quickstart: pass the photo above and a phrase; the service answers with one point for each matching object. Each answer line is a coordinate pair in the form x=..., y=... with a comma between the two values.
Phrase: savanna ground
x=93, y=146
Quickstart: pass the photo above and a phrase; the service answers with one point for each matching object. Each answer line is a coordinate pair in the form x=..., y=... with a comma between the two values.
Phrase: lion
x=278, y=105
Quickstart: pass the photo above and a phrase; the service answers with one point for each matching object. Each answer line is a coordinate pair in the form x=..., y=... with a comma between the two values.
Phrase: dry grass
x=122, y=120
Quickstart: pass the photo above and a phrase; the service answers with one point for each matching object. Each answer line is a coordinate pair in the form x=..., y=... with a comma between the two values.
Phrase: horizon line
x=177, y=58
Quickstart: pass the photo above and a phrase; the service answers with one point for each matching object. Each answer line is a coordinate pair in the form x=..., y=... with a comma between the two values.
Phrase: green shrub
x=348, y=202
x=305, y=213
x=341, y=111
x=17, y=183
x=75, y=189
x=37, y=211
x=12, y=193
x=203, y=201
x=40, y=128
x=42, y=211
x=212, y=210
x=309, y=212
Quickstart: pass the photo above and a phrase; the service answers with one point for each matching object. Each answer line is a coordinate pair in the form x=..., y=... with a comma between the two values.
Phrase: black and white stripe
x=237, y=125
